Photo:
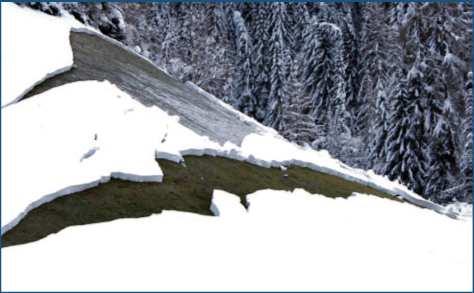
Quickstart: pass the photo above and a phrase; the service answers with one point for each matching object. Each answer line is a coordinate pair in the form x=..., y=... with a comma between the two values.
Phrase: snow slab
x=255, y=150
x=71, y=138
x=242, y=117
x=34, y=52
x=288, y=241
x=226, y=204
x=79, y=135
x=181, y=141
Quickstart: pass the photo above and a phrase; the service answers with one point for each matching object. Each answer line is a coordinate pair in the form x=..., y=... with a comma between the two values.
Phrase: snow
x=333, y=26
x=32, y=53
x=226, y=204
x=79, y=135
x=247, y=119
x=451, y=59
x=254, y=149
x=288, y=241
x=71, y=138
x=92, y=31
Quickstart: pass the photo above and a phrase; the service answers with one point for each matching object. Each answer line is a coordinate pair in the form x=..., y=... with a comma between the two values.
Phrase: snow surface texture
x=78, y=135
x=97, y=57
x=290, y=241
x=27, y=49
x=72, y=138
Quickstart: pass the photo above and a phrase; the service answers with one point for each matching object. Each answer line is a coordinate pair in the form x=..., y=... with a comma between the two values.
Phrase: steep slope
x=148, y=115
x=77, y=151
x=98, y=58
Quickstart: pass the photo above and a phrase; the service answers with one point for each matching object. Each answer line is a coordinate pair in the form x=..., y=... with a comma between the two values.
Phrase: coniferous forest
x=382, y=86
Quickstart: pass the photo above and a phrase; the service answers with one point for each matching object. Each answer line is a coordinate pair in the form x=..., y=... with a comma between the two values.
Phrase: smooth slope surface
x=97, y=58
x=287, y=241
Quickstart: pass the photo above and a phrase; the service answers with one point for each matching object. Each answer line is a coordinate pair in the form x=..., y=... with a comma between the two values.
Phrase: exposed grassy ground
x=185, y=188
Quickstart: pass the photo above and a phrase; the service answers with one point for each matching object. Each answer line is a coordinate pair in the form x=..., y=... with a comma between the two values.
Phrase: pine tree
x=350, y=53
x=261, y=63
x=279, y=66
x=405, y=159
x=242, y=92
x=322, y=79
x=441, y=94
x=439, y=132
x=442, y=161
x=380, y=53
x=339, y=133
x=379, y=56
x=379, y=131
x=298, y=119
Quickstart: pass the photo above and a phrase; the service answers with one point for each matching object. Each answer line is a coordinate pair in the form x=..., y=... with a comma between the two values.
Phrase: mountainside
x=206, y=126
x=115, y=171
x=359, y=80
x=203, y=125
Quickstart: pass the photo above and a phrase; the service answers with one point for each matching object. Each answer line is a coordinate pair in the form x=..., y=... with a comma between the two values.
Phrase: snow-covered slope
x=79, y=134
x=97, y=57
x=32, y=46
x=72, y=138
x=286, y=241
x=114, y=113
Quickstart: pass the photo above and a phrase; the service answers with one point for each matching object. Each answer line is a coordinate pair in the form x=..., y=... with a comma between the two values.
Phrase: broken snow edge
x=233, y=154
x=78, y=188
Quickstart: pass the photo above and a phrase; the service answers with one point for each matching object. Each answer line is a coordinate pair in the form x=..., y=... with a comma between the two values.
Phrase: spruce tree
x=243, y=97
x=442, y=161
x=350, y=53
x=279, y=66
x=405, y=159
x=261, y=59
x=379, y=131
x=323, y=81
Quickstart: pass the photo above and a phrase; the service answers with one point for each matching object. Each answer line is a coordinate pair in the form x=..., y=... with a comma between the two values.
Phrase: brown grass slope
x=186, y=187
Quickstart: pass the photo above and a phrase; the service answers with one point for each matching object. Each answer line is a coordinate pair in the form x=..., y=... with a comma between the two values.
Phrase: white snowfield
x=72, y=138
x=78, y=135
x=287, y=241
